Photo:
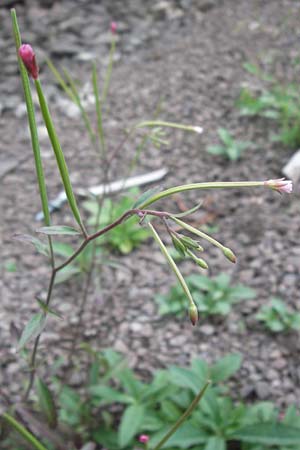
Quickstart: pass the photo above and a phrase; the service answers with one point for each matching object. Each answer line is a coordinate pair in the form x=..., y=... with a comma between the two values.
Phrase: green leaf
x=145, y=196
x=130, y=383
x=185, y=378
x=216, y=150
x=106, y=437
x=225, y=136
x=215, y=443
x=226, y=367
x=252, y=68
x=62, y=249
x=189, y=211
x=131, y=423
x=186, y=436
x=48, y=310
x=46, y=402
x=66, y=273
x=107, y=395
x=40, y=246
x=61, y=230
x=10, y=266
x=70, y=400
x=59, y=155
x=33, y=328
x=268, y=434
x=170, y=411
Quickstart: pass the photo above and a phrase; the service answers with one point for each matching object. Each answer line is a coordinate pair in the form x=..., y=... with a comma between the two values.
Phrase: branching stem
x=55, y=270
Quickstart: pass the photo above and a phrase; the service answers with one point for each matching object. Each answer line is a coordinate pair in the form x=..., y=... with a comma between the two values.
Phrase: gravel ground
x=190, y=54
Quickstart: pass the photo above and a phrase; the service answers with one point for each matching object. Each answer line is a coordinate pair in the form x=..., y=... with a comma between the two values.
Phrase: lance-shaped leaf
x=60, y=159
x=48, y=310
x=172, y=265
x=40, y=246
x=46, y=402
x=60, y=230
x=32, y=122
x=131, y=423
x=145, y=196
x=33, y=328
x=268, y=433
x=189, y=211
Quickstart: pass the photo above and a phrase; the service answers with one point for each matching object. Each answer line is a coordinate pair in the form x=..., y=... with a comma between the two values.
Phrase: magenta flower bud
x=280, y=185
x=113, y=27
x=28, y=57
x=144, y=438
x=193, y=313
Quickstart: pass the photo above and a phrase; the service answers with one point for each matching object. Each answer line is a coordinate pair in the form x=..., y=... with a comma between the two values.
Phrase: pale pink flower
x=280, y=185
x=113, y=27
x=28, y=57
x=144, y=438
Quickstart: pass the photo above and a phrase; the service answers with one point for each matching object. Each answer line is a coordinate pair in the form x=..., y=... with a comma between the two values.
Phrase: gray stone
x=262, y=390
x=292, y=169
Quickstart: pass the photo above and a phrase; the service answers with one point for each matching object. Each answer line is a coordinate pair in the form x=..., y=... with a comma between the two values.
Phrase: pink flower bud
x=280, y=185
x=144, y=438
x=28, y=57
x=113, y=27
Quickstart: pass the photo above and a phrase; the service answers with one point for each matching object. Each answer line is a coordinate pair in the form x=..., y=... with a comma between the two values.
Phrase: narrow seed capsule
x=201, y=263
x=178, y=245
x=189, y=242
x=193, y=314
x=229, y=254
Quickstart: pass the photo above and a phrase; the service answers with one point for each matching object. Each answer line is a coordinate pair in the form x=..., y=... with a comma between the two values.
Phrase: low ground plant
x=127, y=236
x=115, y=408
x=277, y=101
x=229, y=147
x=213, y=296
x=277, y=316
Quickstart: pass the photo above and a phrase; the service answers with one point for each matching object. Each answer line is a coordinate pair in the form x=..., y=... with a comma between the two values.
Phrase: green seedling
x=278, y=317
x=229, y=148
x=212, y=296
x=278, y=102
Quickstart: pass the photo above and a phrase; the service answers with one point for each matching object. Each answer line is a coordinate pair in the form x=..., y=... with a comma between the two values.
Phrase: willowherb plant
x=143, y=211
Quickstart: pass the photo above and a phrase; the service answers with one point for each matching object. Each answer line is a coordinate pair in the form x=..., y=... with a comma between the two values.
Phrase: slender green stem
x=109, y=70
x=77, y=101
x=184, y=416
x=59, y=155
x=32, y=123
x=23, y=432
x=195, y=186
x=61, y=81
x=98, y=109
